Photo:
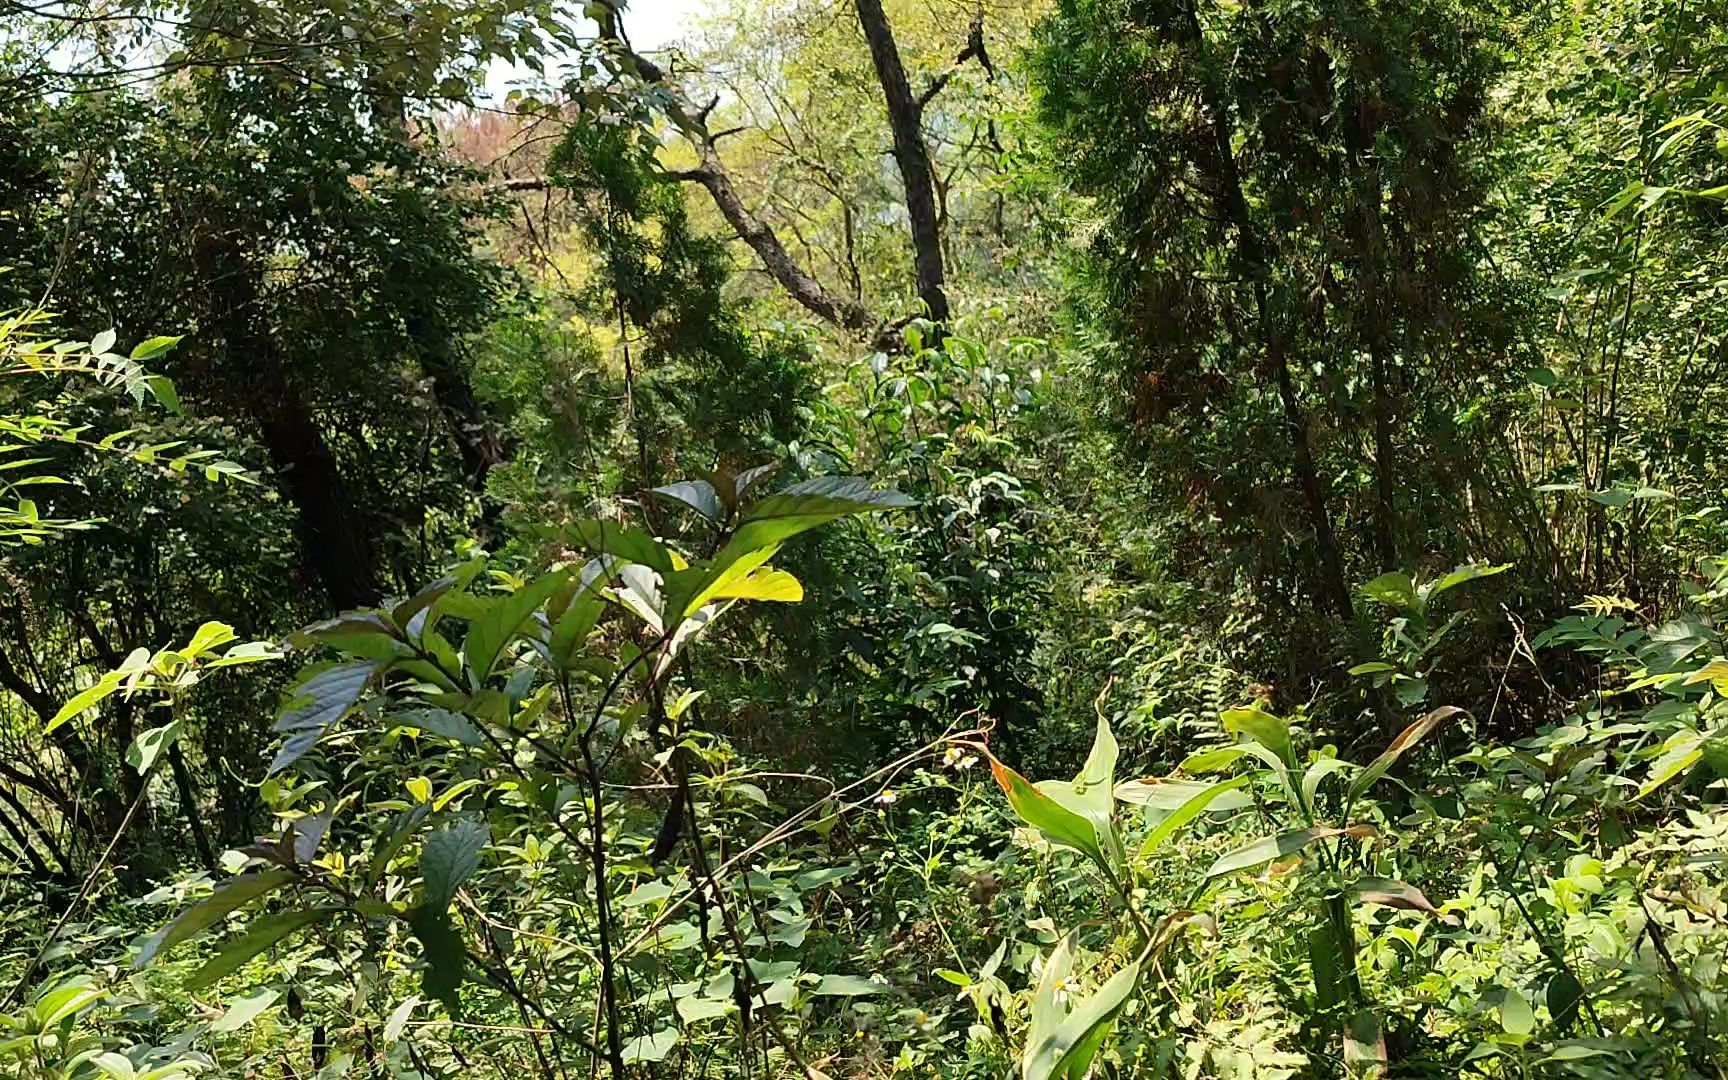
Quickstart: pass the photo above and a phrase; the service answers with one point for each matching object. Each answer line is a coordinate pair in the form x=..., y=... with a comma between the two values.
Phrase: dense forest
x=859, y=538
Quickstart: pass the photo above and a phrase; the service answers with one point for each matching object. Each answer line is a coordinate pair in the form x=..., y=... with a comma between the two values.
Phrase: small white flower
x=888, y=798
x=968, y=761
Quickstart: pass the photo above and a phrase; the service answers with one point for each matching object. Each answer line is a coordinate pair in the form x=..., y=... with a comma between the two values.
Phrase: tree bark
x=906, y=119
x=760, y=237
x=28, y=820
x=1333, y=590
x=38, y=869
x=189, y=806
x=335, y=545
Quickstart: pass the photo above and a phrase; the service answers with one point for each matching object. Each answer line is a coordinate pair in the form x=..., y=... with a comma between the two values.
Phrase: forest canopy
x=540, y=542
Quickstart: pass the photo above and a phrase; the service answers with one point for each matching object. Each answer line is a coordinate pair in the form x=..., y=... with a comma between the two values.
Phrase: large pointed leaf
x=245, y=1009
x=766, y=584
x=1091, y=793
x=450, y=857
x=503, y=618
x=1268, y=848
x=86, y=699
x=689, y=591
x=1467, y=572
x=1394, y=589
x=627, y=542
x=149, y=745
x=575, y=621
x=769, y=522
x=322, y=696
x=260, y=934
x=1409, y=737
x=230, y=896
x=441, y=946
x=1059, y=824
x=698, y=495
x=1264, y=728
x=1062, y=1043
x=1197, y=804
x=1171, y=794
x=64, y=1001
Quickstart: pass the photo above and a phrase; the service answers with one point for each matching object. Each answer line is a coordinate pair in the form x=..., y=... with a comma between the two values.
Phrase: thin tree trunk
x=335, y=546
x=906, y=119
x=189, y=806
x=38, y=869
x=1333, y=590
x=760, y=237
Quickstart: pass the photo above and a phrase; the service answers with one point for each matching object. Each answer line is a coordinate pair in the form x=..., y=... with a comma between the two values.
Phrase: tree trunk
x=28, y=820
x=1333, y=590
x=335, y=546
x=38, y=869
x=906, y=118
x=189, y=806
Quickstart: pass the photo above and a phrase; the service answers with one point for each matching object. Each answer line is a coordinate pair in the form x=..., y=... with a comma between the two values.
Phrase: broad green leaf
x=398, y=1022
x=450, y=857
x=251, y=652
x=115, y=1065
x=1216, y=759
x=1317, y=773
x=155, y=346
x=1264, y=728
x=698, y=495
x=245, y=1010
x=766, y=524
x=689, y=591
x=441, y=947
x=1682, y=754
x=321, y=698
x=1466, y=573
x=1564, y=995
x=1394, y=589
x=1407, y=738
x=454, y=792
x=210, y=635
x=653, y=1047
x=1267, y=848
x=1197, y=804
x=1091, y=793
x=627, y=542
x=86, y=699
x=1059, y=824
x=229, y=897
x=776, y=586
x=847, y=986
x=1516, y=1015
x=572, y=625
x=638, y=588
x=63, y=1001
x=444, y=724
x=1172, y=794
x=503, y=618
x=1374, y=667
x=149, y=745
